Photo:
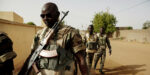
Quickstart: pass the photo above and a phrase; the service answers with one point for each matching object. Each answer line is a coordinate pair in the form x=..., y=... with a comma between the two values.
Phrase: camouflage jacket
x=103, y=41
x=91, y=42
x=66, y=39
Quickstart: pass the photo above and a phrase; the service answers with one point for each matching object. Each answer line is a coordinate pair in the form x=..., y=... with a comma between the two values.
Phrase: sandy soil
x=128, y=58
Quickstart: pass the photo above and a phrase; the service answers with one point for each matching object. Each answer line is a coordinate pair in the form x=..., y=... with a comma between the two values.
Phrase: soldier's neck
x=91, y=33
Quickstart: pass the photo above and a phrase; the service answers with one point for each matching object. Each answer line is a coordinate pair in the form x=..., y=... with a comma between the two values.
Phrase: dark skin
x=50, y=15
x=102, y=31
x=90, y=29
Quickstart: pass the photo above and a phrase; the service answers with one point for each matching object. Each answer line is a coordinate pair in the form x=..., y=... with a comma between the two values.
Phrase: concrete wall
x=6, y=16
x=135, y=35
x=22, y=36
x=11, y=16
x=17, y=18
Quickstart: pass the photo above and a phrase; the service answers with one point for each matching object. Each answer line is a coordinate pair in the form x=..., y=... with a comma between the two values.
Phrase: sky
x=81, y=12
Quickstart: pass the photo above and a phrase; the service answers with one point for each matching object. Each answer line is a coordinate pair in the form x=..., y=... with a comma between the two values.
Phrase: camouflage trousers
x=89, y=59
x=100, y=54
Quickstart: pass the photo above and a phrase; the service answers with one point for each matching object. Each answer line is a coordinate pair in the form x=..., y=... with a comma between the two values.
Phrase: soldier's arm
x=109, y=46
x=79, y=51
x=6, y=50
x=82, y=63
x=97, y=40
x=5, y=43
x=108, y=42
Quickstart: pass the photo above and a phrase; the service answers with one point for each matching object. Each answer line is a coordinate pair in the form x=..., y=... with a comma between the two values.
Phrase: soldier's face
x=102, y=31
x=49, y=16
x=90, y=29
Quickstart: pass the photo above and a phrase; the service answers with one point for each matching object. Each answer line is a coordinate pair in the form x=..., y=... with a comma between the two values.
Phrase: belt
x=90, y=51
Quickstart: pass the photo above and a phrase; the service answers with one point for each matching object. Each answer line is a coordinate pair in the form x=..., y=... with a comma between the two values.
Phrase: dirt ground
x=128, y=58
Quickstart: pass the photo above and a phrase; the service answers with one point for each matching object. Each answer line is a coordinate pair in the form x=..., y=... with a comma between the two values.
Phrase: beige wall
x=17, y=18
x=22, y=36
x=43, y=24
x=6, y=16
x=135, y=35
x=11, y=16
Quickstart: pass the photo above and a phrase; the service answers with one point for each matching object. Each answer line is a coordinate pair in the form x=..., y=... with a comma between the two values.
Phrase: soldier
x=63, y=49
x=103, y=40
x=91, y=42
x=6, y=55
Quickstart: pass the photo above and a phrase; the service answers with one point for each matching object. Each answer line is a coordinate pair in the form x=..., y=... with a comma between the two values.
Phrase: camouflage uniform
x=103, y=40
x=6, y=55
x=91, y=42
x=67, y=41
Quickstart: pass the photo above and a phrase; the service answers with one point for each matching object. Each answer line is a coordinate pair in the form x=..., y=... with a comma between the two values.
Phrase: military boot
x=101, y=71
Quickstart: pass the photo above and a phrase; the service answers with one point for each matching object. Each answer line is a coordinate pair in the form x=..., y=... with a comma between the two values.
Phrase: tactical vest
x=102, y=41
x=62, y=59
x=91, y=42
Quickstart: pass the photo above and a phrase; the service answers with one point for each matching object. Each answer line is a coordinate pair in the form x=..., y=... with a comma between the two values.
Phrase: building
x=11, y=16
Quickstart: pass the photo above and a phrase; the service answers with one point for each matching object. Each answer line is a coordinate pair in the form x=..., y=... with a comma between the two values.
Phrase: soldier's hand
x=110, y=51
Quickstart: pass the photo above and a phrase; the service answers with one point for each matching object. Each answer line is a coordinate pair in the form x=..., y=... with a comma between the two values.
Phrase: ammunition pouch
x=103, y=47
x=91, y=46
x=7, y=56
x=56, y=62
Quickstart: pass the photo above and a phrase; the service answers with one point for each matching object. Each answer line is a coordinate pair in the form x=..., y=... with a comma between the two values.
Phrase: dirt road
x=128, y=58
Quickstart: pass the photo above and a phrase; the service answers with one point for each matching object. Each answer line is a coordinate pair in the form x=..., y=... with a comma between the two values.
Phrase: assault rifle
x=42, y=43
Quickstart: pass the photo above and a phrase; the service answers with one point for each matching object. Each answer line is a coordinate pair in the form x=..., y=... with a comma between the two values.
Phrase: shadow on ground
x=123, y=70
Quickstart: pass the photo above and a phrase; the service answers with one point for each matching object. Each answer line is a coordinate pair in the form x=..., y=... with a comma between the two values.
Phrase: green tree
x=146, y=25
x=130, y=28
x=30, y=23
x=62, y=23
x=106, y=20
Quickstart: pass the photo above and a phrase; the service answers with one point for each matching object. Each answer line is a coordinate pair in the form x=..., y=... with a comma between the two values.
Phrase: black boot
x=101, y=71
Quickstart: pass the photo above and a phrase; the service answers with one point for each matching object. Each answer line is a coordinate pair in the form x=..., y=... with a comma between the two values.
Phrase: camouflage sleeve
x=77, y=42
x=108, y=42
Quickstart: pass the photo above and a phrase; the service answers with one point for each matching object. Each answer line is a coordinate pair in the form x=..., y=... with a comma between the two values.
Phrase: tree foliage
x=106, y=20
x=62, y=23
x=130, y=28
x=30, y=23
x=146, y=25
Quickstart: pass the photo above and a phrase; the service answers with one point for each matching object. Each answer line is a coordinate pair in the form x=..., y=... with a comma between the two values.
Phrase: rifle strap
x=35, y=68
